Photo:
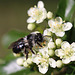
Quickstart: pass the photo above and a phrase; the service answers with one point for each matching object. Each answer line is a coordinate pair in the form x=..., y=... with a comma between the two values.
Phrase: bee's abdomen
x=16, y=50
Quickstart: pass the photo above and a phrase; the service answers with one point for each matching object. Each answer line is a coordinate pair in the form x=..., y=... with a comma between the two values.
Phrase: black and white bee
x=28, y=42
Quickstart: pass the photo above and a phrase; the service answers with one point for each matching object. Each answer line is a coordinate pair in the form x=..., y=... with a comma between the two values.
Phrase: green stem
x=54, y=37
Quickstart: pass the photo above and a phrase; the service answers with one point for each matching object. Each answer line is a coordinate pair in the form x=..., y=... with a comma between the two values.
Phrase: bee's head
x=39, y=37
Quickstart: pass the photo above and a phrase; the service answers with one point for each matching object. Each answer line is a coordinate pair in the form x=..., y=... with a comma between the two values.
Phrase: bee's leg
x=39, y=44
x=32, y=50
x=30, y=47
x=26, y=52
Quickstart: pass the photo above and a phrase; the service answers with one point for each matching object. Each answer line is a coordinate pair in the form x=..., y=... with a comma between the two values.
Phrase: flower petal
x=67, y=26
x=52, y=62
x=47, y=32
x=60, y=34
x=73, y=45
x=44, y=13
x=73, y=57
x=30, y=20
x=39, y=21
x=65, y=45
x=51, y=23
x=36, y=58
x=66, y=60
x=59, y=52
x=58, y=20
x=31, y=11
x=40, y=4
x=44, y=52
x=43, y=69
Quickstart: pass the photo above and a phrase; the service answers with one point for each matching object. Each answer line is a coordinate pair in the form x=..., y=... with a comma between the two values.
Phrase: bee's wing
x=11, y=45
x=14, y=43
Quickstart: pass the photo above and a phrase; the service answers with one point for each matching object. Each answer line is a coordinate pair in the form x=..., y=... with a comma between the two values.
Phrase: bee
x=27, y=43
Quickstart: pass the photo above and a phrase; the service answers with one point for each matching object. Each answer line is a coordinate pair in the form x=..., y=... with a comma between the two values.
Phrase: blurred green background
x=13, y=16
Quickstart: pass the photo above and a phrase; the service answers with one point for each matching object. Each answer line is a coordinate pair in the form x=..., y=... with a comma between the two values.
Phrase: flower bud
x=31, y=26
x=59, y=63
x=49, y=15
x=51, y=45
x=20, y=61
x=58, y=42
x=25, y=64
x=51, y=52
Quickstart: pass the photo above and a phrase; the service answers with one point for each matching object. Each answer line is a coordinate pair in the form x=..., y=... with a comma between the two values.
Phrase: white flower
x=73, y=45
x=40, y=4
x=58, y=27
x=52, y=62
x=36, y=58
x=20, y=61
x=67, y=26
x=37, y=13
x=66, y=53
x=59, y=63
x=43, y=68
x=49, y=15
x=47, y=32
x=59, y=53
x=44, y=52
x=31, y=26
x=51, y=45
x=41, y=57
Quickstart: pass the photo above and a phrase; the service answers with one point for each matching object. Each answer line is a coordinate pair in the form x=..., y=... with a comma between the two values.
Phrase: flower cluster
x=54, y=46
x=66, y=53
x=37, y=13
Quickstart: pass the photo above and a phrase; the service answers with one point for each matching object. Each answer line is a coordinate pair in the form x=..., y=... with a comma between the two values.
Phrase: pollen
x=36, y=46
x=44, y=42
x=39, y=47
x=43, y=46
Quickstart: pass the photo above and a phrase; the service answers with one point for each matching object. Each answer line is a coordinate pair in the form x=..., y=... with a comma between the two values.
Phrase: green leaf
x=12, y=36
x=66, y=9
x=73, y=33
